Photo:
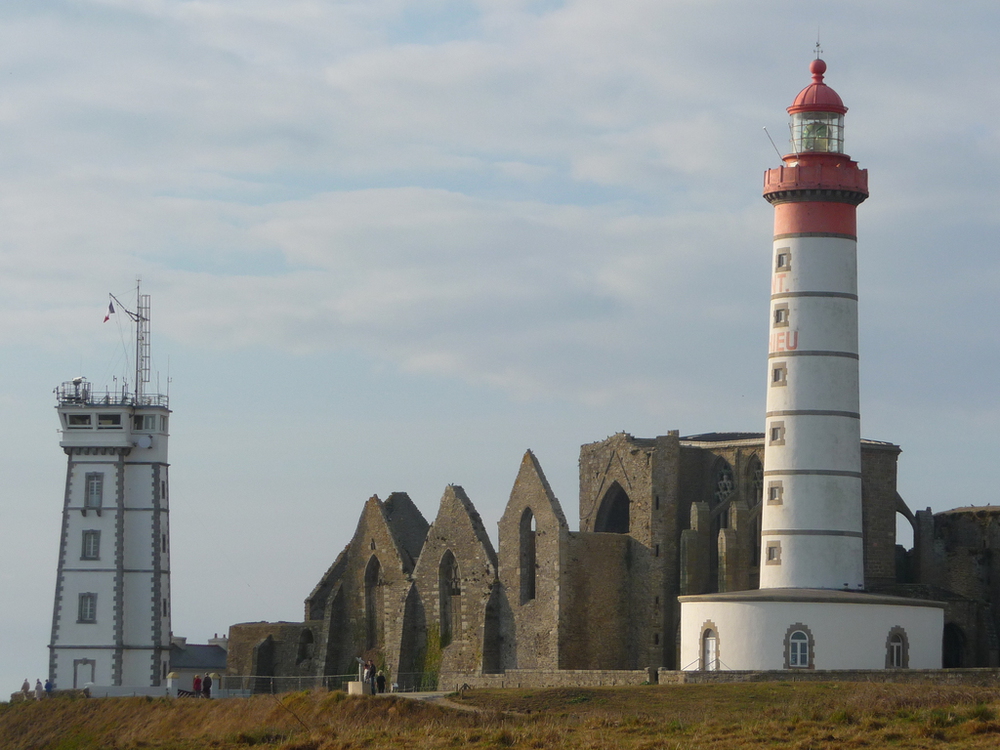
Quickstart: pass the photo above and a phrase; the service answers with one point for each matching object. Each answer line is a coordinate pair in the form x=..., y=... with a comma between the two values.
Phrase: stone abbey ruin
x=659, y=518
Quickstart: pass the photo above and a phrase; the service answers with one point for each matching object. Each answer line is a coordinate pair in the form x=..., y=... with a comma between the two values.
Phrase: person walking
x=48, y=688
x=196, y=685
x=39, y=690
x=26, y=689
x=380, y=681
x=206, y=686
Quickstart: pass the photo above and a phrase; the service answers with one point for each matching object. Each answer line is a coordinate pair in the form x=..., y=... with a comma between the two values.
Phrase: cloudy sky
x=392, y=244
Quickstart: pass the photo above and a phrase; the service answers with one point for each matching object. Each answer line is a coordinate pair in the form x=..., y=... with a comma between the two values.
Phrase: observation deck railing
x=80, y=392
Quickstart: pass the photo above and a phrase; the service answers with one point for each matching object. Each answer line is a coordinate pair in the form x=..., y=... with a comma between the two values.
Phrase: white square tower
x=111, y=619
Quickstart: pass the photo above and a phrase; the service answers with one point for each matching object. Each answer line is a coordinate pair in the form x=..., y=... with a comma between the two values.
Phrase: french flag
x=111, y=311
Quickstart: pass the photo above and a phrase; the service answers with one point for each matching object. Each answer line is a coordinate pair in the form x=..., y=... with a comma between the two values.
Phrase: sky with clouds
x=392, y=244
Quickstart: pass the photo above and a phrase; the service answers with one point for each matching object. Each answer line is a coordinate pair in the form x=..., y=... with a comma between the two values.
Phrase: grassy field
x=774, y=715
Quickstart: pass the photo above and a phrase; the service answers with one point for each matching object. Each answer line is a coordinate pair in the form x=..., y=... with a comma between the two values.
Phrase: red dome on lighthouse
x=817, y=96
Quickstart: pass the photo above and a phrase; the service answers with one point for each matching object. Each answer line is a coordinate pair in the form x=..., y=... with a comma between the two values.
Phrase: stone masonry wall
x=549, y=678
x=457, y=531
x=596, y=632
x=647, y=471
x=878, y=481
x=530, y=630
x=290, y=650
x=370, y=615
x=977, y=677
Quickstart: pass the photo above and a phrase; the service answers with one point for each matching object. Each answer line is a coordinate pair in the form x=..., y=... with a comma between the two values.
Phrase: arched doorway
x=709, y=651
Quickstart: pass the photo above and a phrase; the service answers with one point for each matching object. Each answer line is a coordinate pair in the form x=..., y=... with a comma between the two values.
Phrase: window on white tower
x=94, y=492
x=783, y=259
x=779, y=374
x=781, y=315
x=78, y=421
x=109, y=421
x=775, y=493
x=773, y=554
x=91, y=548
x=88, y=608
x=144, y=422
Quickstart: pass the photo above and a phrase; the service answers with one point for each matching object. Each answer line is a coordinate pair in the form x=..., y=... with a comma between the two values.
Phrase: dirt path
x=439, y=699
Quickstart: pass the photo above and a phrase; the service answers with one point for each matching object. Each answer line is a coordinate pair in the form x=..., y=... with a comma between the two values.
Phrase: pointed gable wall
x=530, y=571
x=362, y=596
x=455, y=577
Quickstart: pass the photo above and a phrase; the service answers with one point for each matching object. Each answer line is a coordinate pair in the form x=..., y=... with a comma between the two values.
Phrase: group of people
x=202, y=686
x=41, y=691
x=375, y=678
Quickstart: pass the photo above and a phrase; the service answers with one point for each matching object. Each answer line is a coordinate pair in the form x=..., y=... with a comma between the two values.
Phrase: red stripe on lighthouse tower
x=833, y=219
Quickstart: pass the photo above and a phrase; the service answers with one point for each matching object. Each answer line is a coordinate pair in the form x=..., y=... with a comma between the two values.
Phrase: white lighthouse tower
x=811, y=611
x=111, y=619
x=811, y=527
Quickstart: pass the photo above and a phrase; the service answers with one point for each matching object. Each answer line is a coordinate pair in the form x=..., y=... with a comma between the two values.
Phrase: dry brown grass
x=721, y=717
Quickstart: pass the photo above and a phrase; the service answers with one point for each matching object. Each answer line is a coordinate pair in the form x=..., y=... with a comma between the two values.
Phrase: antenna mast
x=141, y=319
x=141, y=343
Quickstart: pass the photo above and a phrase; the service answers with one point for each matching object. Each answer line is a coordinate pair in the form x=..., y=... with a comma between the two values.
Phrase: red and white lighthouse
x=812, y=528
x=811, y=610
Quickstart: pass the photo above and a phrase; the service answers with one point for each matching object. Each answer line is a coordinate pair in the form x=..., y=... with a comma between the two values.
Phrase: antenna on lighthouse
x=772, y=142
x=141, y=319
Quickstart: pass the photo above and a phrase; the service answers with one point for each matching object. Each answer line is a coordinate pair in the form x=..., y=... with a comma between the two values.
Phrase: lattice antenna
x=819, y=49
x=141, y=343
x=141, y=319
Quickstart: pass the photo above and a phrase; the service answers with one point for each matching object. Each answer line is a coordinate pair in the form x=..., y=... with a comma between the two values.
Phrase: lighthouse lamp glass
x=818, y=131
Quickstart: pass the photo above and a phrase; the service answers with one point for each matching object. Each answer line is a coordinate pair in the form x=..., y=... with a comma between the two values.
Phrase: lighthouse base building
x=809, y=629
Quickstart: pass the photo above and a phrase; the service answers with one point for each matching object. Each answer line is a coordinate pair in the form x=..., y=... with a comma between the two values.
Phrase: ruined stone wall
x=272, y=648
x=548, y=678
x=455, y=578
x=366, y=593
x=530, y=565
x=647, y=473
x=604, y=597
x=668, y=518
x=598, y=630
x=879, y=503
x=959, y=550
x=726, y=478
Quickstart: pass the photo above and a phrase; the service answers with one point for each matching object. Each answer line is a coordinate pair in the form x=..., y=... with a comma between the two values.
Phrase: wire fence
x=406, y=682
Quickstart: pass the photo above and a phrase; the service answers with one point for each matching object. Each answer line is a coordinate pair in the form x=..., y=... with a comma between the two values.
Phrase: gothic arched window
x=527, y=540
x=724, y=483
x=613, y=514
x=449, y=593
